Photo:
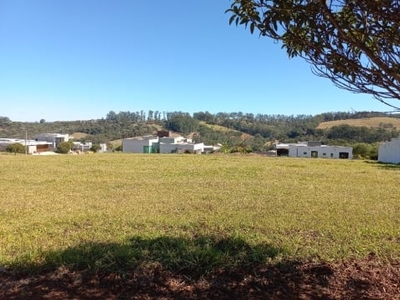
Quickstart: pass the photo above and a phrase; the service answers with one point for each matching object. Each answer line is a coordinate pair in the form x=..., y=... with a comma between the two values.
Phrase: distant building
x=389, y=152
x=146, y=144
x=314, y=150
x=32, y=145
x=53, y=138
x=78, y=146
x=103, y=147
x=163, y=144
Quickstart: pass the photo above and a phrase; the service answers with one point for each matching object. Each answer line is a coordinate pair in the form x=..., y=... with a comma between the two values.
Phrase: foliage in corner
x=356, y=44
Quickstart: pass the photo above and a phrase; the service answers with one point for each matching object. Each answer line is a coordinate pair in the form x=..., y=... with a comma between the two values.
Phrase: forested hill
x=255, y=132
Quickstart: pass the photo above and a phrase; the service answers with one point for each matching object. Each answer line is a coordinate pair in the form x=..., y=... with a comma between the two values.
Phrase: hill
x=376, y=122
x=252, y=132
x=219, y=128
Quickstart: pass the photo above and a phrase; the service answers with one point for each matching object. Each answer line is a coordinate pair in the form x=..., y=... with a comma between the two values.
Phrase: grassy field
x=194, y=212
x=385, y=122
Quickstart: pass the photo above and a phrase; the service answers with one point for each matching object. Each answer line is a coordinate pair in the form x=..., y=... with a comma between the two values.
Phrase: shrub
x=64, y=147
x=363, y=150
x=95, y=148
x=16, y=148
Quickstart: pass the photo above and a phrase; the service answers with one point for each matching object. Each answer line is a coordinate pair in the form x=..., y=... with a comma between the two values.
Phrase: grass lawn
x=114, y=211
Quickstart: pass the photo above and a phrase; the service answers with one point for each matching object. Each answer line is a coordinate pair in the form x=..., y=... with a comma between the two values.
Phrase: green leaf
x=251, y=28
x=231, y=19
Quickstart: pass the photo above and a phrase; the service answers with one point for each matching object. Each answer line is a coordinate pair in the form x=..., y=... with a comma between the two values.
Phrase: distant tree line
x=236, y=131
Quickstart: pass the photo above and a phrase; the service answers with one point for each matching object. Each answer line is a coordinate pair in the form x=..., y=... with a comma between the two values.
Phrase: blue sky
x=79, y=59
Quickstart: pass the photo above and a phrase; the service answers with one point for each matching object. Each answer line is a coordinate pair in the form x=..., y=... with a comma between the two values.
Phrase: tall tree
x=354, y=43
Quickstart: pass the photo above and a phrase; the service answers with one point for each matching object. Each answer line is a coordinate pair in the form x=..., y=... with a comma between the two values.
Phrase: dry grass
x=116, y=143
x=329, y=209
x=368, y=122
x=78, y=135
x=218, y=127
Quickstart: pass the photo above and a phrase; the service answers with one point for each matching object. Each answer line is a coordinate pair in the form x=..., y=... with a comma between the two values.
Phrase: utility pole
x=26, y=141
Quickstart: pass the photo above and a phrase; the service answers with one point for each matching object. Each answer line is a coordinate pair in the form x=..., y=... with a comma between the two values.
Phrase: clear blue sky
x=79, y=59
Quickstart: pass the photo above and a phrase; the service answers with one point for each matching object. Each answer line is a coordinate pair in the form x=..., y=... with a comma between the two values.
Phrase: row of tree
x=237, y=130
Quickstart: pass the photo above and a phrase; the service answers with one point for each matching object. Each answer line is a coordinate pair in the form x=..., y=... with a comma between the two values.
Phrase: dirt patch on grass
x=352, y=279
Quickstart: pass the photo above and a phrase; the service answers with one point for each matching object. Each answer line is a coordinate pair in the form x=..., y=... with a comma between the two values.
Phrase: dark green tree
x=16, y=148
x=181, y=122
x=258, y=143
x=64, y=147
x=354, y=43
x=95, y=148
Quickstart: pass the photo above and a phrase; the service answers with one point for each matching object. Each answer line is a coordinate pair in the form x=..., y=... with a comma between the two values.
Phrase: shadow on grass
x=192, y=257
x=387, y=166
x=205, y=267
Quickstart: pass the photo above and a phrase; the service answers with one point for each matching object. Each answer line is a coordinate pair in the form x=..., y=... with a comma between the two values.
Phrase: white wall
x=168, y=148
x=193, y=148
x=322, y=151
x=181, y=148
x=390, y=152
x=136, y=146
x=52, y=138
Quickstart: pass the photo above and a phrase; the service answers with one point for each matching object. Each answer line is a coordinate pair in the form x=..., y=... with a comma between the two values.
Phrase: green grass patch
x=193, y=212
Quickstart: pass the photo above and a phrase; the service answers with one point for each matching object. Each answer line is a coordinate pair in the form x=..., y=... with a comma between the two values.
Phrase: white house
x=53, y=138
x=155, y=144
x=314, y=150
x=82, y=146
x=389, y=152
x=146, y=144
x=32, y=146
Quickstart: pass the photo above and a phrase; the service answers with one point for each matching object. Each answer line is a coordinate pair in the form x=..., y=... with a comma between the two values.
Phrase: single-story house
x=314, y=150
x=165, y=144
x=32, y=145
x=145, y=144
x=389, y=152
x=53, y=138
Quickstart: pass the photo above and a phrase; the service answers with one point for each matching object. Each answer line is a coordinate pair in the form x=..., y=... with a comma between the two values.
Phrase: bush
x=16, y=148
x=95, y=148
x=64, y=147
x=363, y=150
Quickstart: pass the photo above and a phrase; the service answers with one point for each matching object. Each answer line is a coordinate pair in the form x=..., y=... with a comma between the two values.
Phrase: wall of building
x=161, y=145
x=168, y=148
x=53, y=138
x=320, y=151
x=137, y=146
x=192, y=148
x=32, y=146
x=389, y=152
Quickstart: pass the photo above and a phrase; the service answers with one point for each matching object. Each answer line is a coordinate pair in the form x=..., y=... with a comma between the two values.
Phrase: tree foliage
x=251, y=132
x=181, y=122
x=16, y=148
x=64, y=147
x=95, y=148
x=354, y=43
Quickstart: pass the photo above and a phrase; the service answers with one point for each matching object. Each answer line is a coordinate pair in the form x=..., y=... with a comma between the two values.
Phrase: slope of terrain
x=377, y=122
